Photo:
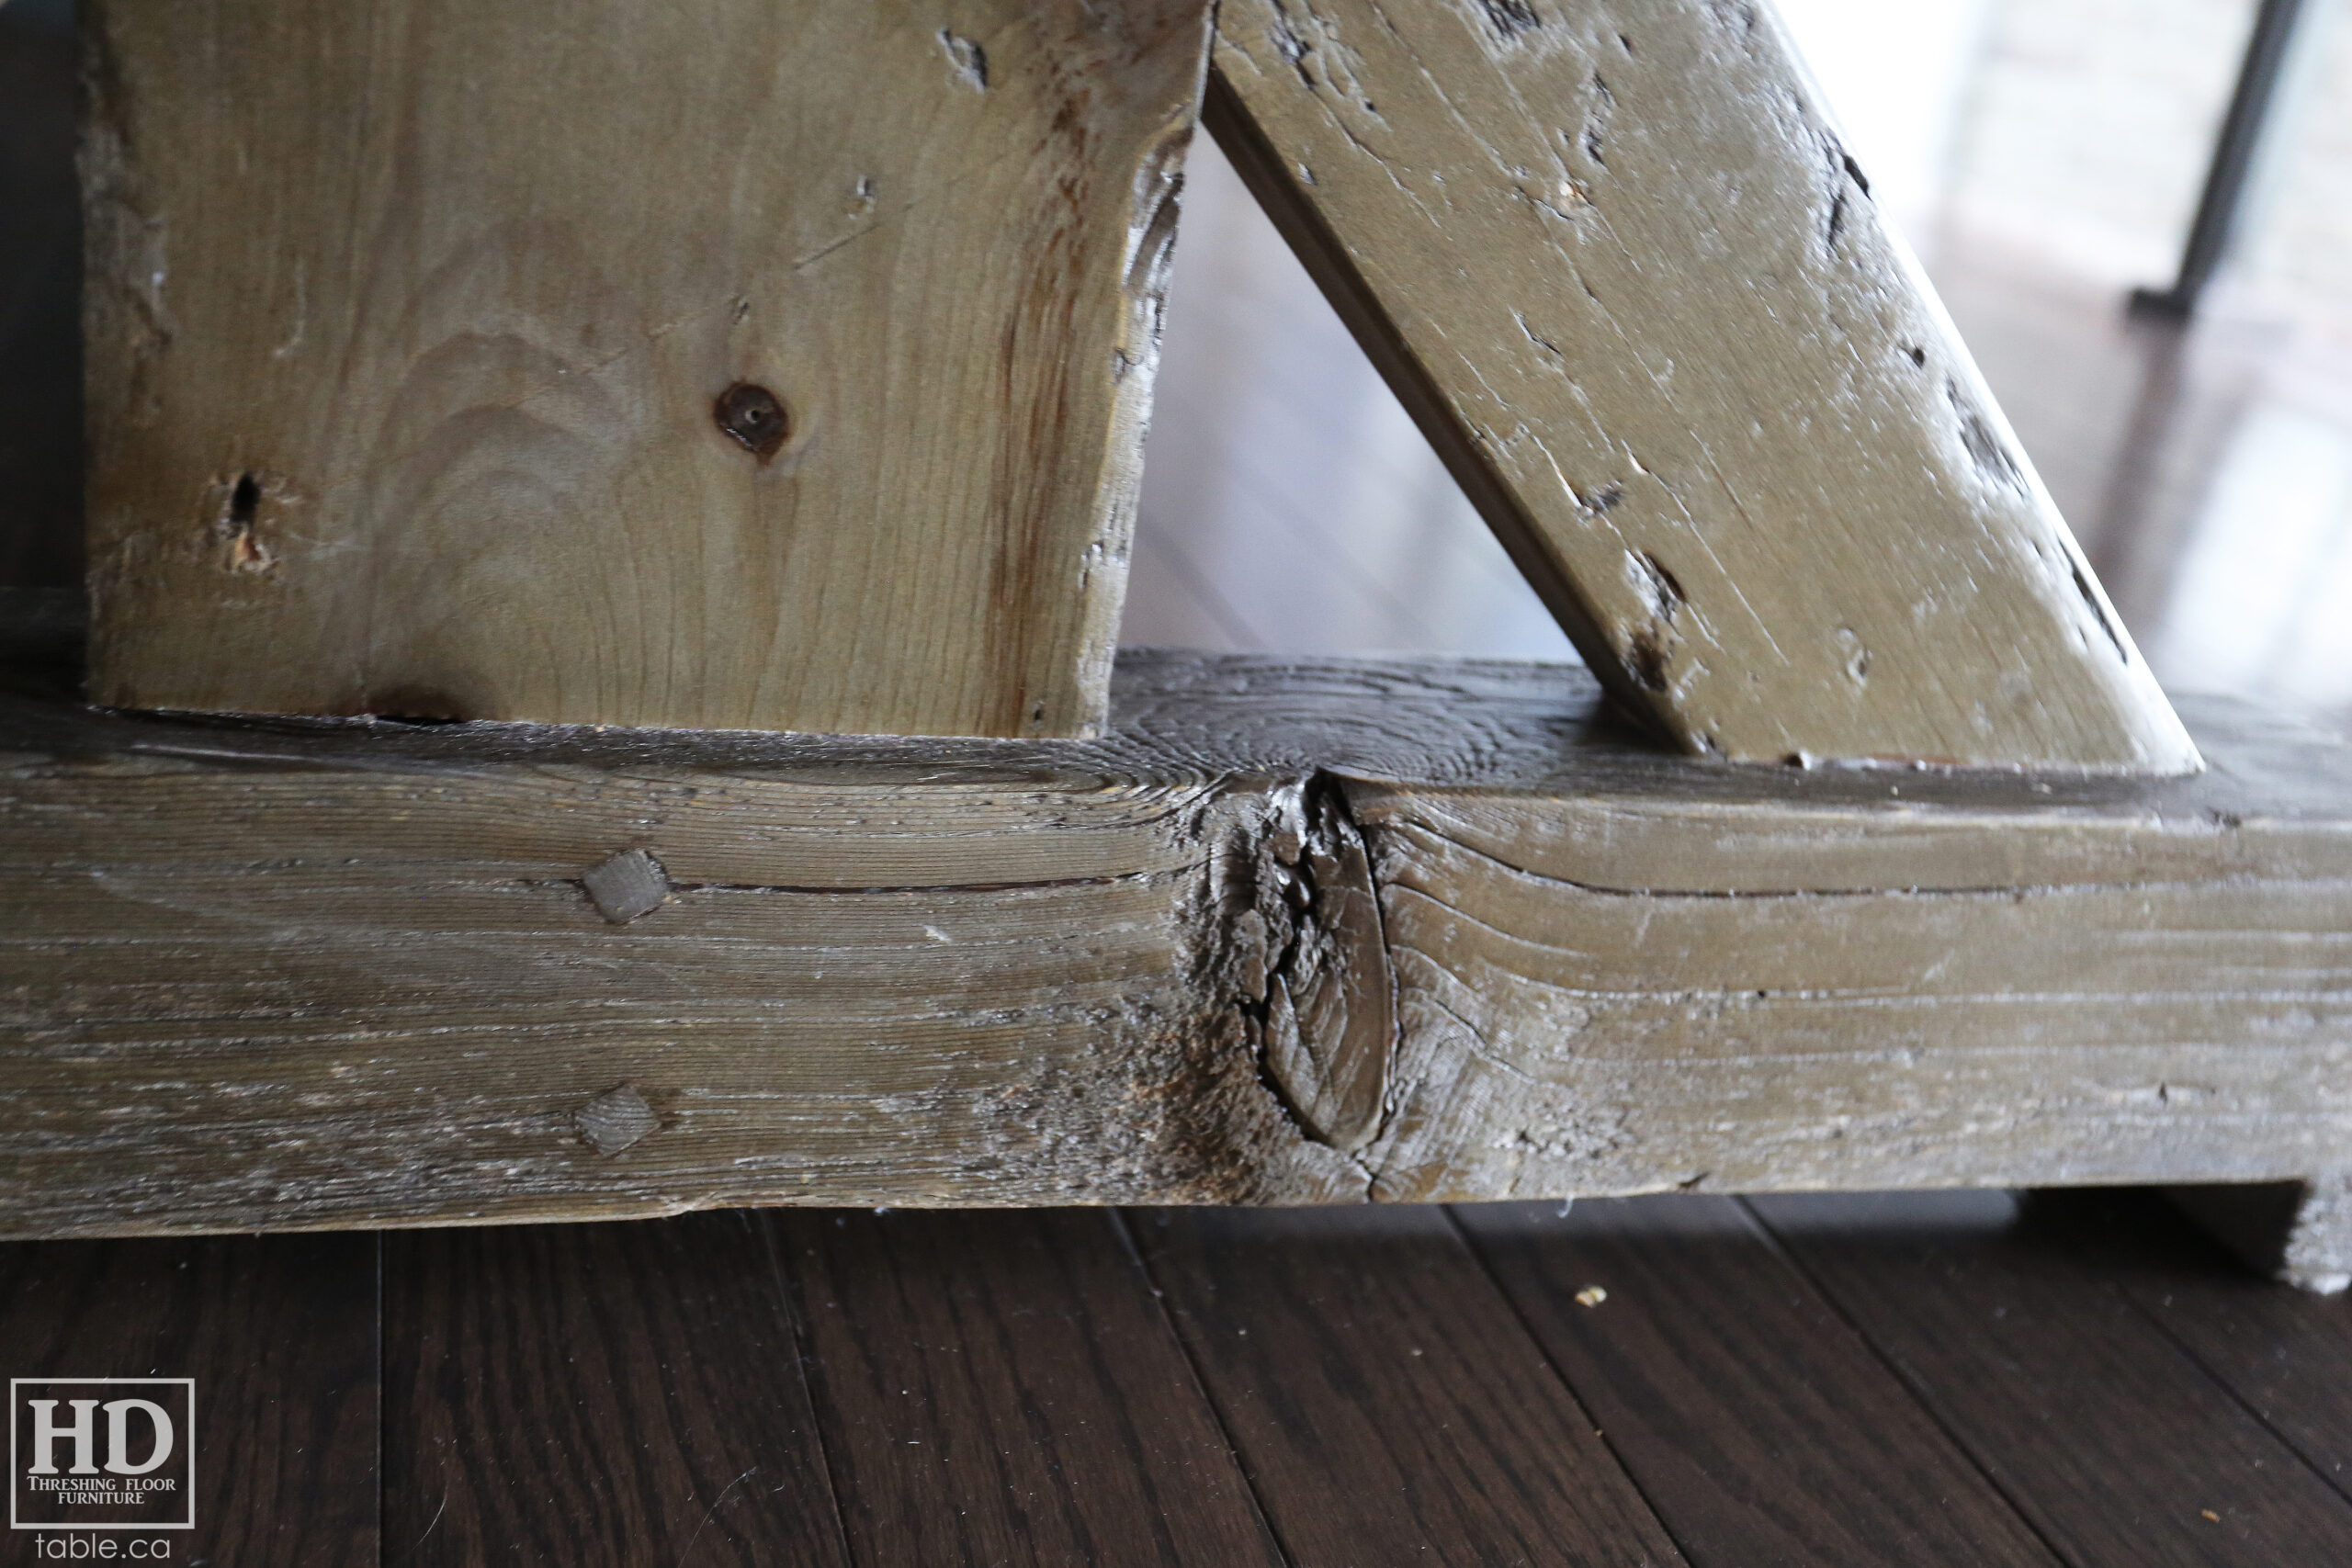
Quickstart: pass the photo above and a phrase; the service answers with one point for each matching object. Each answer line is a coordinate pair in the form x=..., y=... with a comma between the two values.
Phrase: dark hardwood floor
x=1940, y=1379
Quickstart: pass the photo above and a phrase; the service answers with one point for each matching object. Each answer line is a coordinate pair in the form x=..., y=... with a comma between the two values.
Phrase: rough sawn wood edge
x=1616, y=263
x=522, y=401
x=1294, y=931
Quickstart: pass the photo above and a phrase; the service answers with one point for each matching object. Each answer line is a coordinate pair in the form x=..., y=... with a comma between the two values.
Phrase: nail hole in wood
x=754, y=418
x=241, y=550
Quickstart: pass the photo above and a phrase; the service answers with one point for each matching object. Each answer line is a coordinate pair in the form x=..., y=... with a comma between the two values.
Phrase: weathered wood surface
x=1616, y=262
x=261, y=974
x=758, y=365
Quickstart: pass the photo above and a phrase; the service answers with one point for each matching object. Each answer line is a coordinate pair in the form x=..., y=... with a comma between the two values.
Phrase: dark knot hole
x=754, y=418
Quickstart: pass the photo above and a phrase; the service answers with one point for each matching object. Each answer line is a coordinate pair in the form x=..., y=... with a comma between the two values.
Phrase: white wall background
x=1898, y=74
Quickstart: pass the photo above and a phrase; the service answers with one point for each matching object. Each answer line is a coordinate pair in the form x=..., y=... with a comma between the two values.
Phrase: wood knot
x=615, y=1120
x=1313, y=946
x=754, y=418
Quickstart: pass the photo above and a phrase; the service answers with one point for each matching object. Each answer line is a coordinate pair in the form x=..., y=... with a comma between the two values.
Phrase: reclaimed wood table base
x=457, y=380
x=1294, y=931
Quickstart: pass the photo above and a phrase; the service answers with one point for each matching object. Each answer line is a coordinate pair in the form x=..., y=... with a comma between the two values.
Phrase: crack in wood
x=1298, y=941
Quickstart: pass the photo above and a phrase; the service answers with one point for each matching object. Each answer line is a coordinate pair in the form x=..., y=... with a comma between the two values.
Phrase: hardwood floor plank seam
x=598, y=1396
x=788, y=1286
x=1208, y=1395
x=1223, y=1417
x=1393, y=1413
x=2003, y=1316
x=1760, y=1428
x=257, y=1349
x=2236, y=1395
x=382, y=1559
x=1002, y=1389
x=2284, y=1353
x=1927, y=1406
x=1560, y=1375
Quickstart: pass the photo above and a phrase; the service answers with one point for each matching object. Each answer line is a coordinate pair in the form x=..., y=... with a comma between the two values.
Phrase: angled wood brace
x=811, y=400
x=1614, y=257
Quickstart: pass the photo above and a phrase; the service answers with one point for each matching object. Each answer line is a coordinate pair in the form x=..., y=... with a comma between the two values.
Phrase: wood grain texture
x=598, y=1396
x=751, y=365
x=317, y=973
x=1387, y=1405
x=2004, y=1337
x=1762, y=1428
x=1915, y=989
x=280, y=1333
x=1616, y=262
x=1003, y=1390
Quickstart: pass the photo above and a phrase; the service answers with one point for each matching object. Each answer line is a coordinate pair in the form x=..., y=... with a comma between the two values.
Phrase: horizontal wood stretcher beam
x=1292, y=931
